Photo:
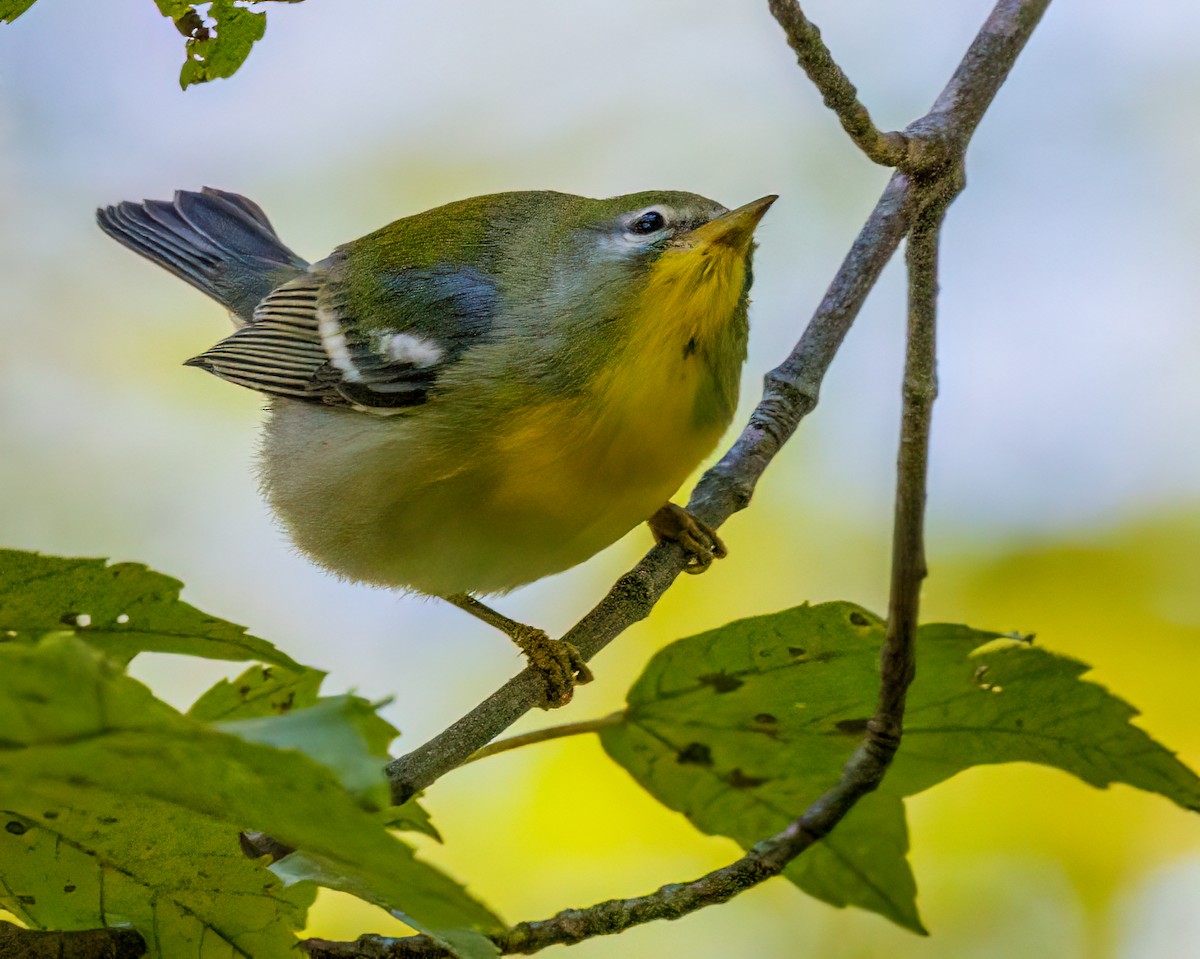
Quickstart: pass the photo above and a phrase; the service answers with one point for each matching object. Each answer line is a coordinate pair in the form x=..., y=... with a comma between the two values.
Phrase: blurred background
x=1065, y=488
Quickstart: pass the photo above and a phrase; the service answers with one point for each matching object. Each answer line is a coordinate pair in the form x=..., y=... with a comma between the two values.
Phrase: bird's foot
x=560, y=664
x=699, y=540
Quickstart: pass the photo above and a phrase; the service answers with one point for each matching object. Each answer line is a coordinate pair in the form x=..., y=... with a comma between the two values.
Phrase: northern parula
x=480, y=395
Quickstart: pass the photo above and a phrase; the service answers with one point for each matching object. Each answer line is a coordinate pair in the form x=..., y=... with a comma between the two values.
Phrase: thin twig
x=791, y=392
x=912, y=461
x=839, y=94
x=544, y=735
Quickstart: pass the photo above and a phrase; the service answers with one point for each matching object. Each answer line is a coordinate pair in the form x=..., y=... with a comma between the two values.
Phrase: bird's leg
x=561, y=665
x=699, y=540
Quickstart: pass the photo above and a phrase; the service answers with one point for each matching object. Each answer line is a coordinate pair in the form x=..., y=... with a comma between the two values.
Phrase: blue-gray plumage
x=224, y=245
x=221, y=243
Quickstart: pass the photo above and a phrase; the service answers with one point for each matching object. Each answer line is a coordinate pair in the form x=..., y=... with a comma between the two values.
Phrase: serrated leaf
x=272, y=691
x=741, y=728
x=11, y=9
x=123, y=609
x=342, y=733
x=218, y=51
x=158, y=799
x=259, y=691
x=387, y=888
x=991, y=698
x=411, y=817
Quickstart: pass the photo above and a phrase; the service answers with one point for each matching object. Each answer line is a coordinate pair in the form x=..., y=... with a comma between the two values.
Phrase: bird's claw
x=561, y=666
x=699, y=540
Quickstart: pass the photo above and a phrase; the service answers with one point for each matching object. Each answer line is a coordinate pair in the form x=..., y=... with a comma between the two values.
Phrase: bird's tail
x=221, y=243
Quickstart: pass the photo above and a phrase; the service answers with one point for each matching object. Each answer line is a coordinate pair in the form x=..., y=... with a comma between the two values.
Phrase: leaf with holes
x=259, y=691
x=144, y=807
x=181, y=881
x=217, y=49
x=741, y=728
x=123, y=609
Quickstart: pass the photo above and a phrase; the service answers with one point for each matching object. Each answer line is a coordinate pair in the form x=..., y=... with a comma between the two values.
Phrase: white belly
x=382, y=500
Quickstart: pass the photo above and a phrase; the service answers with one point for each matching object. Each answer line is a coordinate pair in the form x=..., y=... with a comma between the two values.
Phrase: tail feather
x=134, y=225
x=221, y=243
x=245, y=204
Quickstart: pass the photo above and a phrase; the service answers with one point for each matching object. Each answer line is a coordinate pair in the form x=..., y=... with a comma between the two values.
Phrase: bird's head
x=661, y=257
x=647, y=269
x=642, y=227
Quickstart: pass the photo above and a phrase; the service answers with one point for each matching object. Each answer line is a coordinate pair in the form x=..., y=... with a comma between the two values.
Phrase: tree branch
x=105, y=943
x=912, y=461
x=544, y=735
x=867, y=767
x=791, y=392
x=915, y=205
x=839, y=94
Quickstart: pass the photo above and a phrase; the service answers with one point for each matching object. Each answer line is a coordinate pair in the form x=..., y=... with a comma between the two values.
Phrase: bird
x=483, y=394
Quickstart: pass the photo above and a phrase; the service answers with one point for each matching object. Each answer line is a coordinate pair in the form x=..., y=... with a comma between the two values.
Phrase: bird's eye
x=649, y=222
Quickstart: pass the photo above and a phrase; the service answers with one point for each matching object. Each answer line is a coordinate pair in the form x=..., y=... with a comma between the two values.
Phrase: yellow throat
x=683, y=326
x=655, y=412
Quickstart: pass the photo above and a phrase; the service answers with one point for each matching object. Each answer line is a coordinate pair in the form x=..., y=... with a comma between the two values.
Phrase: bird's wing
x=380, y=349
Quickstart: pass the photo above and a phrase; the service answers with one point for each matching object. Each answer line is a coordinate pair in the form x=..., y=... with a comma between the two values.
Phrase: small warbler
x=480, y=395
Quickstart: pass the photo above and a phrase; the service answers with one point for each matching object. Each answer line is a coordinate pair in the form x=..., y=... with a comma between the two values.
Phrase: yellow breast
x=608, y=458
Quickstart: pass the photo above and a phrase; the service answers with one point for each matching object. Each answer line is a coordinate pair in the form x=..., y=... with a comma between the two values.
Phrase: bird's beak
x=734, y=229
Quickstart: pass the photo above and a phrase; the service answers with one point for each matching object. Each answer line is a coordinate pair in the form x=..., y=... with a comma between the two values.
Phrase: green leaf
x=342, y=733
x=123, y=609
x=272, y=691
x=11, y=9
x=218, y=50
x=259, y=691
x=179, y=880
x=174, y=8
x=411, y=817
x=218, y=41
x=991, y=698
x=436, y=893
x=743, y=727
x=151, y=803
